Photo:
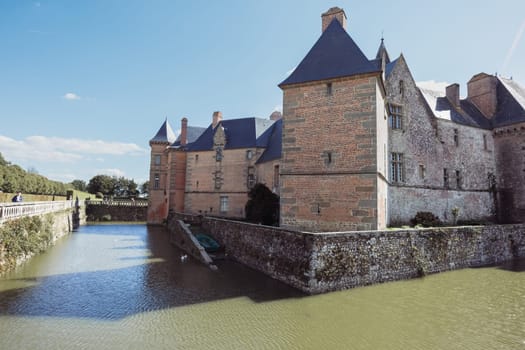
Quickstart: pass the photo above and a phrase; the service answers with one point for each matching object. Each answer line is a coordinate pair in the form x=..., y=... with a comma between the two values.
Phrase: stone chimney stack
x=184, y=131
x=334, y=12
x=217, y=118
x=452, y=93
x=482, y=93
x=276, y=115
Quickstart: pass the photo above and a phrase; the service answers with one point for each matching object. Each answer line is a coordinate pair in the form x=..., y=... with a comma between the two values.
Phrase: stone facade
x=360, y=146
x=430, y=145
x=317, y=263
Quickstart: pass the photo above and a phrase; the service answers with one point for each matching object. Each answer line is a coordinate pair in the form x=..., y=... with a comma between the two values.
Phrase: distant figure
x=17, y=197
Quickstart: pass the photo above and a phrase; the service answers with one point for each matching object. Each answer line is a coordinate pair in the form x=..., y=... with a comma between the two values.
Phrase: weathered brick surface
x=323, y=262
x=329, y=150
x=158, y=197
x=510, y=162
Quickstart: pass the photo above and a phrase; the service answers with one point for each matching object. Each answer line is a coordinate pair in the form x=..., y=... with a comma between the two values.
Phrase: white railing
x=119, y=203
x=15, y=210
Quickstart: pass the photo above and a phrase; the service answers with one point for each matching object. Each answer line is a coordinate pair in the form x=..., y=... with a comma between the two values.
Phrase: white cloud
x=62, y=150
x=433, y=85
x=515, y=42
x=111, y=172
x=71, y=96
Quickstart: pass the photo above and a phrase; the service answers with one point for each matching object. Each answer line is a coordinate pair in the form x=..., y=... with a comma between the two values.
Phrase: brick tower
x=159, y=174
x=334, y=137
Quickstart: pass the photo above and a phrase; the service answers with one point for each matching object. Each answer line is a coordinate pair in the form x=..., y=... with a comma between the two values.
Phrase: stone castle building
x=359, y=146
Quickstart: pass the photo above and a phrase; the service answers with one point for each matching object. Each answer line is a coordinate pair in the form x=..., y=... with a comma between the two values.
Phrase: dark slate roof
x=442, y=108
x=165, y=133
x=390, y=66
x=273, y=149
x=511, y=103
x=382, y=48
x=240, y=133
x=193, y=134
x=334, y=55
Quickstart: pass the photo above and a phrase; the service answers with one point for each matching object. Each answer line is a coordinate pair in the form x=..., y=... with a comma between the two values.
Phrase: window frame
x=397, y=173
x=395, y=116
x=223, y=204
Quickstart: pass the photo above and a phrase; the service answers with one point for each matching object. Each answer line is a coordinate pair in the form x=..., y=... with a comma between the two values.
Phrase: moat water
x=125, y=287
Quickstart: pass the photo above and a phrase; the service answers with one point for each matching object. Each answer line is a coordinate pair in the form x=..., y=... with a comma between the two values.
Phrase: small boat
x=208, y=243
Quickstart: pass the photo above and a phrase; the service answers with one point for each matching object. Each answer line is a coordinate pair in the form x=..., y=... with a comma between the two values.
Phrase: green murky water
x=125, y=287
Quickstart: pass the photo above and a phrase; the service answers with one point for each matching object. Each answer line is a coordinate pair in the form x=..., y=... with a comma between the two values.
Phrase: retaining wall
x=116, y=211
x=323, y=262
x=30, y=235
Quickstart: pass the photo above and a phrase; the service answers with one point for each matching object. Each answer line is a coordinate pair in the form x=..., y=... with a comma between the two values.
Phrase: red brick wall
x=329, y=158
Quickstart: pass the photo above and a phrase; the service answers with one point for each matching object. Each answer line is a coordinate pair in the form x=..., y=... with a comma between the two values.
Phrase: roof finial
x=382, y=35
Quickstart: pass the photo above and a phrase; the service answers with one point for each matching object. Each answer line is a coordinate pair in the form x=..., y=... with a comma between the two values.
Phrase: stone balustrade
x=10, y=211
x=119, y=203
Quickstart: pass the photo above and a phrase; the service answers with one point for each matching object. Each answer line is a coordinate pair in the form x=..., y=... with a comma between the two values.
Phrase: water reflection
x=125, y=287
x=158, y=280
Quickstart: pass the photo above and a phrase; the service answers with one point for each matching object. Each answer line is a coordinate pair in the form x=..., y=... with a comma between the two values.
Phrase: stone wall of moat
x=323, y=262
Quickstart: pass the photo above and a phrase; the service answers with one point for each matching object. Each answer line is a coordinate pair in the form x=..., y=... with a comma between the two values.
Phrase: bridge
x=10, y=211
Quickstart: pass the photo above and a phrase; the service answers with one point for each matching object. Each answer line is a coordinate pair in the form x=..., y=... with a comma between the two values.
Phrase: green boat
x=208, y=243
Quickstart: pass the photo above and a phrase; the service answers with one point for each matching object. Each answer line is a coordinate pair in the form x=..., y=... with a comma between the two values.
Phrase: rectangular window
x=485, y=142
x=276, y=178
x=445, y=178
x=196, y=158
x=249, y=154
x=251, y=177
x=456, y=137
x=156, y=159
x=396, y=167
x=156, y=182
x=224, y=204
x=329, y=89
x=422, y=171
x=395, y=116
x=458, y=179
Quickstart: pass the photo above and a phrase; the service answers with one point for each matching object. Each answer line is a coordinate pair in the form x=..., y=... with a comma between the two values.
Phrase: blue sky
x=85, y=84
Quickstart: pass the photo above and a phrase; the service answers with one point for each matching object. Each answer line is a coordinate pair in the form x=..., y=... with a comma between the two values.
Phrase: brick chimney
x=184, y=131
x=452, y=92
x=334, y=12
x=217, y=118
x=276, y=115
x=482, y=93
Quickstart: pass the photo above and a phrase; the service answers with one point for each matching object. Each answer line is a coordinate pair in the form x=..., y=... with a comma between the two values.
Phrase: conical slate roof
x=381, y=50
x=334, y=55
x=165, y=134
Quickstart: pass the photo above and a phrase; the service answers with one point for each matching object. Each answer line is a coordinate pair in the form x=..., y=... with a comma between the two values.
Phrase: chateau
x=359, y=146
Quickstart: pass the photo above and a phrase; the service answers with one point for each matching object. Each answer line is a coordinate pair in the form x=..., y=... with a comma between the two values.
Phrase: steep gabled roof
x=442, y=108
x=511, y=103
x=240, y=133
x=390, y=66
x=273, y=146
x=193, y=133
x=334, y=55
x=165, y=134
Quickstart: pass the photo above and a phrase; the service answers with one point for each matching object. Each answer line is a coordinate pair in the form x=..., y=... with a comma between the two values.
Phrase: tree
x=101, y=183
x=79, y=185
x=263, y=206
x=144, y=188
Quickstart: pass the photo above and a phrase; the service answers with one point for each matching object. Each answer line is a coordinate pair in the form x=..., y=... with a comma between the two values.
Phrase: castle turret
x=159, y=173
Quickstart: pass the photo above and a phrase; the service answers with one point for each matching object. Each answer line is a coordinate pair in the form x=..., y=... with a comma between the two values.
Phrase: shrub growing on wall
x=426, y=219
x=263, y=206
